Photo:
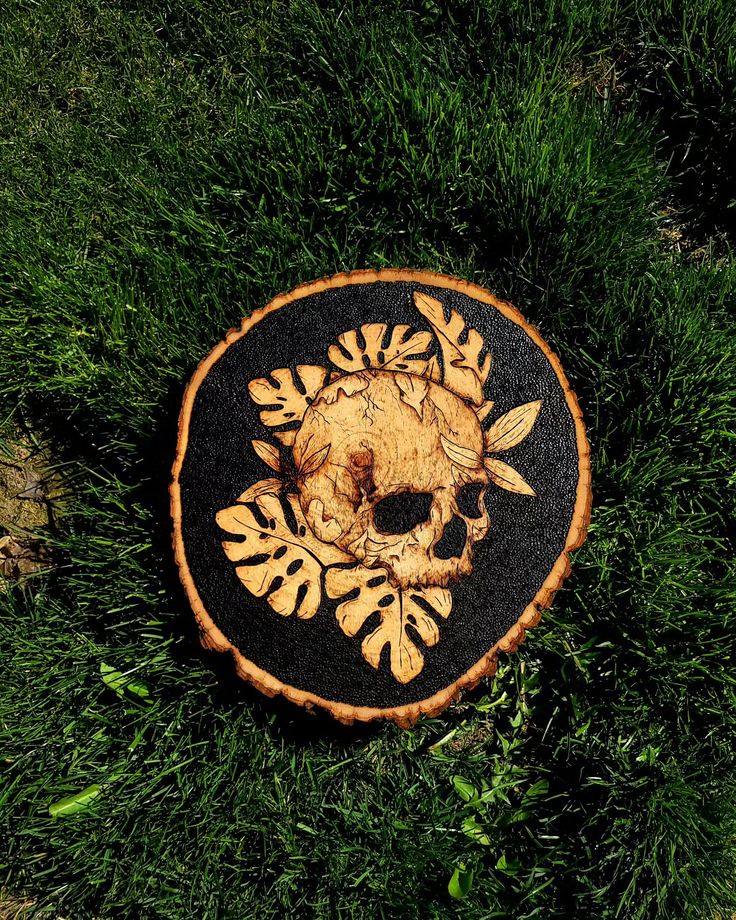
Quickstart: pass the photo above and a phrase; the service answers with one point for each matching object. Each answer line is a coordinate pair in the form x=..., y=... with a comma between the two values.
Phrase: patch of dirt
x=695, y=145
x=31, y=497
x=603, y=75
x=21, y=557
x=12, y=908
x=472, y=739
x=678, y=237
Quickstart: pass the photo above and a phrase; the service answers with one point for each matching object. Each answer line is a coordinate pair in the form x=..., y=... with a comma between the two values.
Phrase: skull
x=389, y=468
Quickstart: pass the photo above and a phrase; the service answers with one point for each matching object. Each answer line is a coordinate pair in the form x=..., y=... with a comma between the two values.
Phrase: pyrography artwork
x=378, y=481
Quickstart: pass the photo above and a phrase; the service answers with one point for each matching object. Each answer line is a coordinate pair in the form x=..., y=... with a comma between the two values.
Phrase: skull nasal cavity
x=452, y=542
x=402, y=512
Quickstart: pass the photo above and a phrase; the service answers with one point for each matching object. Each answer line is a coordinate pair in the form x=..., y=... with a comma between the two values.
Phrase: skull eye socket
x=468, y=500
x=402, y=512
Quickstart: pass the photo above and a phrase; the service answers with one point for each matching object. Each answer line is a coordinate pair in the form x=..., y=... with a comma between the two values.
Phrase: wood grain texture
x=465, y=368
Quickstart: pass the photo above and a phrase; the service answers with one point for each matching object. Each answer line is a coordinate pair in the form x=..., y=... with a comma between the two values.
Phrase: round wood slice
x=378, y=480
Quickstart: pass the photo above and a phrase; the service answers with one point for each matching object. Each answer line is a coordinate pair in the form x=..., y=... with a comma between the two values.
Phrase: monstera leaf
x=286, y=399
x=398, y=354
x=401, y=611
x=464, y=373
x=275, y=559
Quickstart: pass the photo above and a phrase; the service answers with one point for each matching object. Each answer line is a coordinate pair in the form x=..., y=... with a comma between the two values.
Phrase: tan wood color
x=388, y=422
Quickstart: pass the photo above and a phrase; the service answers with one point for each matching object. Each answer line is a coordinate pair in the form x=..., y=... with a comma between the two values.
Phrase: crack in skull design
x=383, y=468
x=390, y=486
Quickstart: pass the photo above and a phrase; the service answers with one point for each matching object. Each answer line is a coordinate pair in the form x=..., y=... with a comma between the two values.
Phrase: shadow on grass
x=278, y=715
x=84, y=445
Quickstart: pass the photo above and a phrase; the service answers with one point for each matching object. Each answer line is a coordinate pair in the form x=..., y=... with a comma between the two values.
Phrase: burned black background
x=527, y=533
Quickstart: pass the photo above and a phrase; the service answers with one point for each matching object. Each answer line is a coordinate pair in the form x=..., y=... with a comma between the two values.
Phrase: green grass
x=164, y=169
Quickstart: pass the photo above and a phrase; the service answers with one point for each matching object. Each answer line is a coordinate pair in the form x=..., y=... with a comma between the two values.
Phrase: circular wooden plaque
x=377, y=483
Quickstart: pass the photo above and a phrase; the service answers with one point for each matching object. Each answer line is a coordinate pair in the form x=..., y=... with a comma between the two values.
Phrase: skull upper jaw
x=415, y=558
x=380, y=446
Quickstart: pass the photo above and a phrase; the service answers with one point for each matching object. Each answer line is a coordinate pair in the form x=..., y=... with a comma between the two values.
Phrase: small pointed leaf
x=314, y=461
x=511, y=429
x=268, y=453
x=462, y=456
x=506, y=477
x=474, y=829
x=483, y=409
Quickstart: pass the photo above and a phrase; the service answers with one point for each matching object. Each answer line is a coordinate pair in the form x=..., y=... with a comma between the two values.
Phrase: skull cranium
x=390, y=469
